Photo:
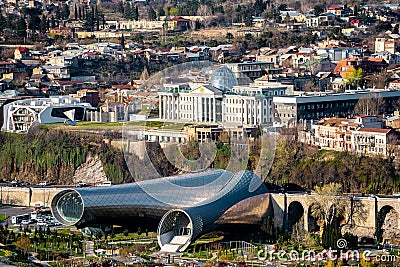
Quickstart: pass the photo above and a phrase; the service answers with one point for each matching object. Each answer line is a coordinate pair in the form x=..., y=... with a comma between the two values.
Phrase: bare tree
x=206, y=12
x=379, y=79
x=371, y=104
x=310, y=87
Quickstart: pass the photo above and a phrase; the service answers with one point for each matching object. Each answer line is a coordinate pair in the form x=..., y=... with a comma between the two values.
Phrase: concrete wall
x=28, y=197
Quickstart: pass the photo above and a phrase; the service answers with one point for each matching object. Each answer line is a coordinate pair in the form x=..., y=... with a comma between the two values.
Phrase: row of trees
x=93, y=18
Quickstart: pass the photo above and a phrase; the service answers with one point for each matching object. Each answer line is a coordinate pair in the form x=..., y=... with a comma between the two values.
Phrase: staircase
x=175, y=244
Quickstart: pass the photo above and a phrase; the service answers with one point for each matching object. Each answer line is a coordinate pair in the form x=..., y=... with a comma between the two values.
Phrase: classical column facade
x=214, y=110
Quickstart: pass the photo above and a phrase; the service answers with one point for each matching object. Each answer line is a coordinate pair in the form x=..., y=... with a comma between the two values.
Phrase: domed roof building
x=223, y=79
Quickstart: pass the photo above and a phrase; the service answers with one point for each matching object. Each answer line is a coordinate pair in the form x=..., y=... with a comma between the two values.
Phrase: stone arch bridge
x=363, y=214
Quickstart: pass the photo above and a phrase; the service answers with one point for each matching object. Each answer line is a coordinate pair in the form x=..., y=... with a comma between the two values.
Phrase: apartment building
x=362, y=135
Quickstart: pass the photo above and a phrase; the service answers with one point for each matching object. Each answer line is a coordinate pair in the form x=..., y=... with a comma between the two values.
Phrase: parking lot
x=13, y=211
x=44, y=220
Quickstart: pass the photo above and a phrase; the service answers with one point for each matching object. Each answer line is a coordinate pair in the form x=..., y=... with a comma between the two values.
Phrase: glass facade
x=70, y=207
x=223, y=79
x=184, y=207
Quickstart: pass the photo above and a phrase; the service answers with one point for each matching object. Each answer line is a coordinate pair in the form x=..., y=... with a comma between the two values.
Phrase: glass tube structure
x=184, y=206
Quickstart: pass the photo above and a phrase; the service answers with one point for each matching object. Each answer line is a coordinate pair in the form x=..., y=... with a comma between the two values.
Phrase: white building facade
x=241, y=105
x=20, y=115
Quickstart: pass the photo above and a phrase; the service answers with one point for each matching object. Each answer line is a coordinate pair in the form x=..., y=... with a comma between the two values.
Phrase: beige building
x=384, y=44
x=362, y=135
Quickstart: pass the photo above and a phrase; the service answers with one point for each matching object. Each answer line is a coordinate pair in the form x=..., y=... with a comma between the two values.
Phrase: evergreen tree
x=2, y=23
x=151, y=14
x=76, y=12
x=89, y=21
x=160, y=11
x=122, y=41
x=121, y=7
x=135, y=12
x=58, y=14
x=21, y=27
x=43, y=25
x=52, y=22
x=128, y=12
x=97, y=18
x=34, y=20
x=65, y=11
x=80, y=13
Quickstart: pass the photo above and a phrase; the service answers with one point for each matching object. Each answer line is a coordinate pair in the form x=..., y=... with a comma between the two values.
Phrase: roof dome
x=223, y=79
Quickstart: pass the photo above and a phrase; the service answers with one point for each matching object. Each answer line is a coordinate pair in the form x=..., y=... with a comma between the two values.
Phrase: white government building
x=220, y=101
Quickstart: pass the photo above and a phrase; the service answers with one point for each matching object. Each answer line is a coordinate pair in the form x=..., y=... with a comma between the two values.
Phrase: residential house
x=292, y=16
x=6, y=67
x=63, y=61
x=253, y=70
x=388, y=57
x=178, y=23
x=385, y=44
x=340, y=53
x=338, y=10
x=21, y=53
x=87, y=96
x=367, y=65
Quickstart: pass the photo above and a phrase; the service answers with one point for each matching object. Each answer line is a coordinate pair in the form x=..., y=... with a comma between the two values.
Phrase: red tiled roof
x=196, y=49
x=374, y=130
x=92, y=53
x=178, y=18
x=22, y=49
x=335, y=7
x=122, y=86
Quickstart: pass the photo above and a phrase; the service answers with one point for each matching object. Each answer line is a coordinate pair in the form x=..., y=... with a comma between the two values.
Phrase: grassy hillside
x=53, y=155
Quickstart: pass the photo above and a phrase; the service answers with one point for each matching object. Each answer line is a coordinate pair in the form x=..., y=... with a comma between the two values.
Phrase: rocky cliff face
x=90, y=172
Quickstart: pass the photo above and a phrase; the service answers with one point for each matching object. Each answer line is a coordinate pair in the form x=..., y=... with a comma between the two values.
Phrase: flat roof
x=321, y=97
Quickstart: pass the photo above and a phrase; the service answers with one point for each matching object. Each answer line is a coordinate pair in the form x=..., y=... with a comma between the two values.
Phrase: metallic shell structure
x=184, y=207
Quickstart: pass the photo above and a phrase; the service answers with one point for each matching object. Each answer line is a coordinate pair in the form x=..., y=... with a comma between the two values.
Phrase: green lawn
x=86, y=125
x=3, y=217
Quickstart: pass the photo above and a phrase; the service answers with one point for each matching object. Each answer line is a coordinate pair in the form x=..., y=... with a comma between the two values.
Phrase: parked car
x=43, y=183
x=15, y=183
x=81, y=185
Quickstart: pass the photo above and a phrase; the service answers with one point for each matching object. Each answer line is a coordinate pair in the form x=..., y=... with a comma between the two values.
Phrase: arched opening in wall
x=296, y=219
x=175, y=231
x=388, y=225
x=312, y=221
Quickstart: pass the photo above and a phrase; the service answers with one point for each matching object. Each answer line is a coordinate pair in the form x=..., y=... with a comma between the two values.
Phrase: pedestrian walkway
x=89, y=248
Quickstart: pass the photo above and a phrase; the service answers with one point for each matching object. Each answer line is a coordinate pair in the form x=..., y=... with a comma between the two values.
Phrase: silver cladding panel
x=151, y=198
